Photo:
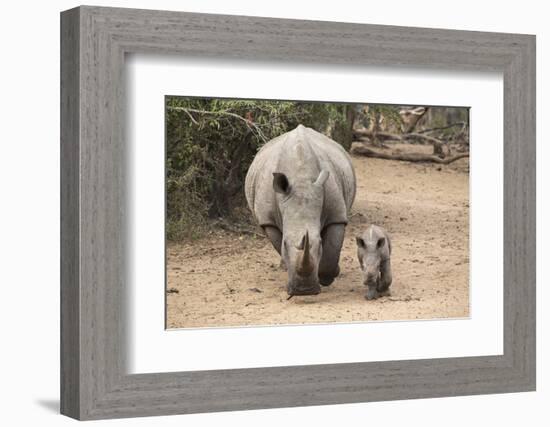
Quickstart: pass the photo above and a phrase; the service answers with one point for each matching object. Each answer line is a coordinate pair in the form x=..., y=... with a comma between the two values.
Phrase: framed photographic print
x=262, y=213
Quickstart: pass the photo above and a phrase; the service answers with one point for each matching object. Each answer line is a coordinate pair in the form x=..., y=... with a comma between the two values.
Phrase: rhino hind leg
x=333, y=238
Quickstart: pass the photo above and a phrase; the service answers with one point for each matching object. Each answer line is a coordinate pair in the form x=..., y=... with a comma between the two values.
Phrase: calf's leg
x=385, y=276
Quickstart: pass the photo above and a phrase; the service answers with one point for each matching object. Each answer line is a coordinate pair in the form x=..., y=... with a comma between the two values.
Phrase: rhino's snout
x=371, y=266
x=370, y=275
x=300, y=285
x=371, y=281
x=303, y=268
x=314, y=290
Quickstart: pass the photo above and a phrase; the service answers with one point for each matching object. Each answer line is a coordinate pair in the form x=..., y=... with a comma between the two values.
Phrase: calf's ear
x=381, y=242
x=280, y=183
x=360, y=242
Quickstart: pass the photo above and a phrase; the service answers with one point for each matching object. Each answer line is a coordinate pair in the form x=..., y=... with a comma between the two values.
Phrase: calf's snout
x=370, y=273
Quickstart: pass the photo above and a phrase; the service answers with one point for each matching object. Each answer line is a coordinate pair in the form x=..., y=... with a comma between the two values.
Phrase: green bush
x=210, y=144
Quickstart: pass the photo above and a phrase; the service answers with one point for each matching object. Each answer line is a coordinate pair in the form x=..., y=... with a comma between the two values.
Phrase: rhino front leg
x=333, y=238
x=274, y=236
x=276, y=239
x=385, y=276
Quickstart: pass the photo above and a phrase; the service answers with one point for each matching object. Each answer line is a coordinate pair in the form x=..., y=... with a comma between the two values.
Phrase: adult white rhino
x=300, y=188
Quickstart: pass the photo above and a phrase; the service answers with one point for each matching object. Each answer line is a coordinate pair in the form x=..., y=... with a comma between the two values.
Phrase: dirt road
x=227, y=279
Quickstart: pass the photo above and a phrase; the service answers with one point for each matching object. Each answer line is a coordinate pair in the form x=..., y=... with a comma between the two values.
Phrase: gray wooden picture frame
x=94, y=382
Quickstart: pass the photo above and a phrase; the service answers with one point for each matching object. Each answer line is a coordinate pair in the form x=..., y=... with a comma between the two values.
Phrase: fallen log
x=361, y=133
x=379, y=144
x=437, y=144
x=406, y=157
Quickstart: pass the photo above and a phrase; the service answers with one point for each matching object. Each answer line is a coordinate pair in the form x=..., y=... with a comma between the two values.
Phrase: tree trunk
x=414, y=118
x=342, y=131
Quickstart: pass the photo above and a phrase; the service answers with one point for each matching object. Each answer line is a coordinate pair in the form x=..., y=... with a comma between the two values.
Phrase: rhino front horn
x=304, y=264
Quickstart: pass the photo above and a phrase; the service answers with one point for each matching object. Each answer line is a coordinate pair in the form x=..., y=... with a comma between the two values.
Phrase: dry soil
x=230, y=279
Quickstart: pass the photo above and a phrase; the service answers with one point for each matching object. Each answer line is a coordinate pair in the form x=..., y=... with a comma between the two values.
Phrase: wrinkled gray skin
x=300, y=188
x=373, y=252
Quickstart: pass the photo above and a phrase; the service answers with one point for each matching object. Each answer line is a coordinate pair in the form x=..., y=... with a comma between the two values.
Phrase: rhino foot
x=327, y=279
x=372, y=293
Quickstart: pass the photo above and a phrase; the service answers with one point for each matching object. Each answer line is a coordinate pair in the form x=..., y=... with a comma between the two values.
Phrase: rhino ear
x=280, y=183
x=380, y=242
x=360, y=241
x=322, y=178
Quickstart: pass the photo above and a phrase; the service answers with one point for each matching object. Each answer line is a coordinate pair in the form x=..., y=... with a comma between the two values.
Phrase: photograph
x=286, y=212
x=275, y=212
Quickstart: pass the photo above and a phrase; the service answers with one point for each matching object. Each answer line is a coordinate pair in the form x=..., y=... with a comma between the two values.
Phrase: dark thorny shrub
x=210, y=144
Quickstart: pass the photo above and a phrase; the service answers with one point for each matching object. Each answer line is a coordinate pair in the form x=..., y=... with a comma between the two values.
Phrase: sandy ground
x=227, y=279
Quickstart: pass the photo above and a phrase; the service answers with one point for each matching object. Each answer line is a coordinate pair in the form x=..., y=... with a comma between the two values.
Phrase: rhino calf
x=373, y=252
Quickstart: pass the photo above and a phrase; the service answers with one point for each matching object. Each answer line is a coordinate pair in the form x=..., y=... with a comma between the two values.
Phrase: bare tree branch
x=189, y=114
x=406, y=157
x=462, y=124
x=249, y=123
